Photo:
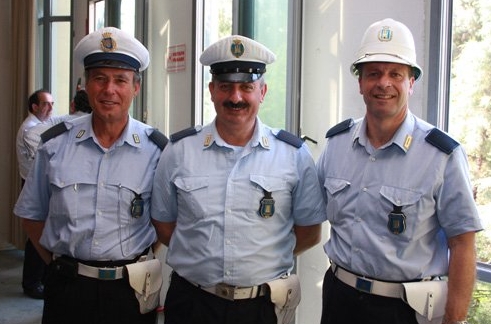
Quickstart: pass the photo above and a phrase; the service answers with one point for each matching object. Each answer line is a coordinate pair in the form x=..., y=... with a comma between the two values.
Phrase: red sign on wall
x=176, y=58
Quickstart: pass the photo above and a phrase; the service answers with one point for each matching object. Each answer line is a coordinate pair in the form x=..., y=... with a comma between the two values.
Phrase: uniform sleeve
x=164, y=197
x=456, y=208
x=308, y=203
x=33, y=201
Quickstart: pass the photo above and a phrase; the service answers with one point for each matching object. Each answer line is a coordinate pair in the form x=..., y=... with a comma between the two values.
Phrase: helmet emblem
x=385, y=35
x=107, y=43
x=237, y=48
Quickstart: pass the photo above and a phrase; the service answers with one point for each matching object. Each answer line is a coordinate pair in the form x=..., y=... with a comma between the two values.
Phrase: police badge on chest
x=266, y=205
x=397, y=221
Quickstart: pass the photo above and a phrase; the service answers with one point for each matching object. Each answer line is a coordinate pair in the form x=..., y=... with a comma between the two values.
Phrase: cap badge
x=237, y=48
x=385, y=35
x=107, y=43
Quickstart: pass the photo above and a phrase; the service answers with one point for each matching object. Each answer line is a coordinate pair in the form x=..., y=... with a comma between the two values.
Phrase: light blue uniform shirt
x=362, y=185
x=84, y=192
x=213, y=191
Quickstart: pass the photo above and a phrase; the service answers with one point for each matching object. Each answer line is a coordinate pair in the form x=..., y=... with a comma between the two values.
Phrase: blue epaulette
x=340, y=128
x=289, y=138
x=441, y=140
x=53, y=132
x=158, y=138
x=184, y=133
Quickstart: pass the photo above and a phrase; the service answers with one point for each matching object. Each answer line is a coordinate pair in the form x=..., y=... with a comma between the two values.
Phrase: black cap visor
x=238, y=71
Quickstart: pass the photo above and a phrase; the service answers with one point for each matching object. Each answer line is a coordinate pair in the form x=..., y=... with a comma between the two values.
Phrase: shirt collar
x=130, y=134
x=402, y=138
x=259, y=137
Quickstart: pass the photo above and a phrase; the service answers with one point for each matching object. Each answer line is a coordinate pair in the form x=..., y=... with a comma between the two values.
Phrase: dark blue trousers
x=342, y=304
x=187, y=304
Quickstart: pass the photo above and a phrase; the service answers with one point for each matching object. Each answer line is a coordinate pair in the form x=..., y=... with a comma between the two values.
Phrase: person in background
x=399, y=199
x=40, y=107
x=79, y=106
x=235, y=201
x=86, y=202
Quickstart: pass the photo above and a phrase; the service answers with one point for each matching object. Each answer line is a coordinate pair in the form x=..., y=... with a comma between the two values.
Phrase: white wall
x=169, y=93
x=332, y=31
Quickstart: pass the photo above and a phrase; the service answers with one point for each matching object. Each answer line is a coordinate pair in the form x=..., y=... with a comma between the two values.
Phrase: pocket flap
x=189, y=184
x=285, y=291
x=268, y=183
x=145, y=277
x=399, y=196
x=428, y=298
x=334, y=185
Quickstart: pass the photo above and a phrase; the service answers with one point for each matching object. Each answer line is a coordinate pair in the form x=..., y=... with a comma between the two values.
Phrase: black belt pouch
x=65, y=266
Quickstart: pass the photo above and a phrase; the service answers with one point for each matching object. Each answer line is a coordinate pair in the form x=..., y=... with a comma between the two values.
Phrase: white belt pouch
x=285, y=295
x=428, y=299
x=146, y=279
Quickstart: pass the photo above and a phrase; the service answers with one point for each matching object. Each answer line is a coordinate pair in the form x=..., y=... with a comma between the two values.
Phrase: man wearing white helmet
x=399, y=201
x=86, y=201
x=235, y=200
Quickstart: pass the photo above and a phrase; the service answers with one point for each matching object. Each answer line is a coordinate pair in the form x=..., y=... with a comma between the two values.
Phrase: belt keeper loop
x=334, y=267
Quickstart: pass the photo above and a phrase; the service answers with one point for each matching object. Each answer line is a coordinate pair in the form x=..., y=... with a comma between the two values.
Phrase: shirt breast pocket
x=334, y=188
x=65, y=195
x=133, y=201
x=270, y=187
x=406, y=201
x=192, y=196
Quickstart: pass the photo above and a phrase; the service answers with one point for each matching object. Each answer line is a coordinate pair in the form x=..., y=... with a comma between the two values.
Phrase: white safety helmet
x=387, y=41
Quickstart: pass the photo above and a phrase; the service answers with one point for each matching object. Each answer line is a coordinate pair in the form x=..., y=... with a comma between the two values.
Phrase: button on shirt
x=84, y=192
x=213, y=191
x=363, y=184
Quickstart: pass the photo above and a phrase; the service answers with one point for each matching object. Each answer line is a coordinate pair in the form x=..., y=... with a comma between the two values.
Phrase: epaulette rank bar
x=185, y=133
x=340, y=128
x=158, y=138
x=53, y=132
x=289, y=138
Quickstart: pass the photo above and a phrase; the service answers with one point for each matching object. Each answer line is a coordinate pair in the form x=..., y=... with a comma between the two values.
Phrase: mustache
x=240, y=104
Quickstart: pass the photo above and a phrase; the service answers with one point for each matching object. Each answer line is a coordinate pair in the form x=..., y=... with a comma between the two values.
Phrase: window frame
x=44, y=46
x=439, y=75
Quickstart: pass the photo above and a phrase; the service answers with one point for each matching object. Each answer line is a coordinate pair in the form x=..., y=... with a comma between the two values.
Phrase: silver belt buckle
x=225, y=291
x=107, y=273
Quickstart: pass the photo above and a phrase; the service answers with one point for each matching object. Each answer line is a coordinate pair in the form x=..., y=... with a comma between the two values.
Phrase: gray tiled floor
x=15, y=307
